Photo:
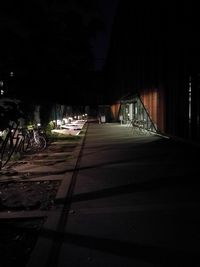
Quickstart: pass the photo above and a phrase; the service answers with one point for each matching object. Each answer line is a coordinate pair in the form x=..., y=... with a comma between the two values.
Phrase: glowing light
x=59, y=122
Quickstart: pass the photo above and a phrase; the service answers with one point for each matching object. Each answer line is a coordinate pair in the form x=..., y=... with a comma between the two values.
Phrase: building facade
x=154, y=53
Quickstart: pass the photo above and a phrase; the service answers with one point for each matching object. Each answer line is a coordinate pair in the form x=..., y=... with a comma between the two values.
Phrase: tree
x=9, y=111
x=49, y=44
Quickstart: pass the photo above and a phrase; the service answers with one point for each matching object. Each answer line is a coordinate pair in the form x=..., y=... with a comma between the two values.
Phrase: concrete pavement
x=135, y=202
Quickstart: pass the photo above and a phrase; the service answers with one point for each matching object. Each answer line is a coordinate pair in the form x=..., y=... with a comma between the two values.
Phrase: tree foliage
x=48, y=43
x=9, y=111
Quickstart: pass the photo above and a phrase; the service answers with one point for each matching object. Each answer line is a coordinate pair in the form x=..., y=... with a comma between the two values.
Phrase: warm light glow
x=150, y=100
x=115, y=110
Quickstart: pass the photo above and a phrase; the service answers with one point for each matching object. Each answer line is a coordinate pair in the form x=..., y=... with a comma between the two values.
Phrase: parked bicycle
x=8, y=145
x=34, y=141
x=21, y=140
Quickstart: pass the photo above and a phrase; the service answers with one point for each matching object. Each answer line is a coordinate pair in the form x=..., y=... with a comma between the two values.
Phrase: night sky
x=102, y=41
x=54, y=49
x=57, y=50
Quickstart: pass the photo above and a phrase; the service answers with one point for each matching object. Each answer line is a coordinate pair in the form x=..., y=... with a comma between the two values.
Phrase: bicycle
x=8, y=145
x=34, y=141
x=21, y=140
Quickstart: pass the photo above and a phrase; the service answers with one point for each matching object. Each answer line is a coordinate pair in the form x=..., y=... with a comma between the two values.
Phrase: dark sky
x=46, y=44
x=102, y=41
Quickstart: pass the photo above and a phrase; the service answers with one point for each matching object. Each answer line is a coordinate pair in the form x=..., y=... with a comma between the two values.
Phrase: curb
x=44, y=244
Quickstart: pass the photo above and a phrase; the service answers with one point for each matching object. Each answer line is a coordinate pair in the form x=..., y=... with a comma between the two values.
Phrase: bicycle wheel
x=27, y=143
x=40, y=143
x=7, y=151
x=9, y=145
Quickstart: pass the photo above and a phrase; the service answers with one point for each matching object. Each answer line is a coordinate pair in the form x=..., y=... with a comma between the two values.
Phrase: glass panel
x=135, y=111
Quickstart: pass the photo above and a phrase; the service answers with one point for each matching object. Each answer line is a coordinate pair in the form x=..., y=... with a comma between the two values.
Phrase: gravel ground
x=18, y=236
x=27, y=195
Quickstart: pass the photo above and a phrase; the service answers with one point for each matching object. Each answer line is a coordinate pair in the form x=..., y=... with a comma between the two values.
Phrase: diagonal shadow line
x=128, y=160
x=156, y=184
x=148, y=253
x=69, y=170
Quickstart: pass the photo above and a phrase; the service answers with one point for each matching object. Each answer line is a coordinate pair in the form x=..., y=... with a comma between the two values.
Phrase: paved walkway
x=135, y=203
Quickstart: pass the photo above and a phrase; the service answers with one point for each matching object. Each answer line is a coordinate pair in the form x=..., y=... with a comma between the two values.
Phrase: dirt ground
x=18, y=236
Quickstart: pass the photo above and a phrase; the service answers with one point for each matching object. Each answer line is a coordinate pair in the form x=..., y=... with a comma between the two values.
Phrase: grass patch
x=60, y=137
